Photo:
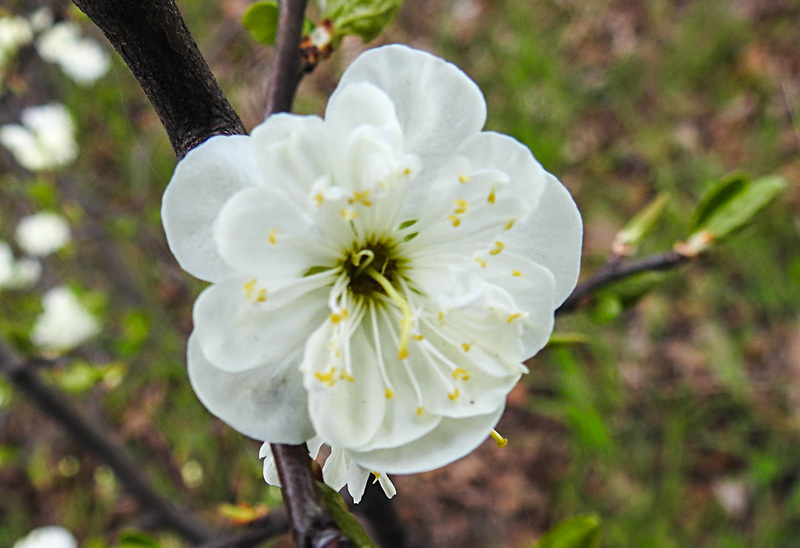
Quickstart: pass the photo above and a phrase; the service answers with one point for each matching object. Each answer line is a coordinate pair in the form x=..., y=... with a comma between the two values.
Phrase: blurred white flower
x=51, y=536
x=45, y=140
x=379, y=276
x=64, y=324
x=17, y=274
x=41, y=19
x=15, y=32
x=42, y=233
x=83, y=59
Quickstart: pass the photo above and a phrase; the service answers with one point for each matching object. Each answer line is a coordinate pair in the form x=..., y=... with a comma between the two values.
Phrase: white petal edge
x=204, y=180
x=552, y=236
x=453, y=439
x=437, y=104
x=268, y=403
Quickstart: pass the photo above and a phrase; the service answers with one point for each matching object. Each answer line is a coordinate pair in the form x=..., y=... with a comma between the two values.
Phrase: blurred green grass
x=687, y=399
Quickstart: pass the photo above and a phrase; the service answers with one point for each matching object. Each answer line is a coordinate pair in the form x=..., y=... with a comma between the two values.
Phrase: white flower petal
x=360, y=104
x=346, y=407
x=203, y=182
x=262, y=233
x=50, y=536
x=249, y=324
x=64, y=323
x=267, y=402
x=294, y=152
x=552, y=237
x=438, y=106
x=450, y=441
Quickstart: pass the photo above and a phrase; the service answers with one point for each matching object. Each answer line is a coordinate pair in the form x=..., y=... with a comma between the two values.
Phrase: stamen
x=409, y=372
x=492, y=197
x=402, y=304
x=273, y=236
x=356, y=260
x=512, y=317
x=462, y=178
x=481, y=262
x=378, y=347
x=389, y=394
x=453, y=395
x=498, y=439
x=466, y=346
x=510, y=224
x=498, y=247
x=459, y=373
x=377, y=477
x=318, y=199
x=455, y=219
x=361, y=198
x=420, y=410
x=461, y=206
x=517, y=273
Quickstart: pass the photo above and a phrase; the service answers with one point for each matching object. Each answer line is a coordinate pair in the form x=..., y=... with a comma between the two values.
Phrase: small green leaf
x=261, y=21
x=640, y=227
x=363, y=18
x=729, y=206
x=577, y=532
x=344, y=519
x=137, y=539
x=606, y=308
x=406, y=224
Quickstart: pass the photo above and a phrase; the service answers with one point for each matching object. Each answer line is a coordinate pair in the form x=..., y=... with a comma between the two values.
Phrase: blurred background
x=670, y=408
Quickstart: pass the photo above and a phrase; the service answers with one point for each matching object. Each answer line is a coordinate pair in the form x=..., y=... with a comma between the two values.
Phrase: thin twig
x=97, y=439
x=287, y=70
x=615, y=271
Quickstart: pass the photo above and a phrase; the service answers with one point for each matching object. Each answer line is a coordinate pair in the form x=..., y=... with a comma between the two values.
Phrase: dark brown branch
x=98, y=440
x=287, y=70
x=312, y=524
x=615, y=271
x=152, y=38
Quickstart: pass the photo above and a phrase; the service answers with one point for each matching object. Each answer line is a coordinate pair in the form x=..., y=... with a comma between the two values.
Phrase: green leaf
x=344, y=519
x=606, y=308
x=577, y=532
x=363, y=18
x=137, y=539
x=640, y=227
x=261, y=21
x=730, y=205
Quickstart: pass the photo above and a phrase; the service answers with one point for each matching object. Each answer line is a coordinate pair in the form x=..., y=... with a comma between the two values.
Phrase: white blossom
x=50, y=536
x=65, y=322
x=339, y=470
x=17, y=274
x=15, y=32
x=81, y=58
x=379, y=276
x=44, y=140
x=42, y=233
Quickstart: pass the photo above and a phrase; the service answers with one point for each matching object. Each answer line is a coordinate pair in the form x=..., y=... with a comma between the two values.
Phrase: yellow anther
x=512, y=317
x=498, y=439
x=417, y=337
x=459, y=373
x=407, y=171
x=377, y=477
x=348, y=214
x=510, y=224
x=337, y=317
x=346, y=377
x=517, y=273
x=453, y=395
x=407, y=319
x=455, y=219
x=466, y=346
x=262, y=295
x=498, y=247
x=420, y=410
x=441, y=317
x=461, y=206
x=462, y=178
x=328, y=378
x=389, y=394
x=481, y=262
x=361, y=198
x=492, y=197
x=249, y=287
x=318, y=199
x=273, y=236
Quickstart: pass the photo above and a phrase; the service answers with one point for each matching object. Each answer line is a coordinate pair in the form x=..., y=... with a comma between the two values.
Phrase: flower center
x=361, y=265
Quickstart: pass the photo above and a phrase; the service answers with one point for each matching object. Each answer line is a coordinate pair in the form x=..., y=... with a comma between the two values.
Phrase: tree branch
x=615, y=271
x=98, y=440
x=152, y=38
x=287, y=70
